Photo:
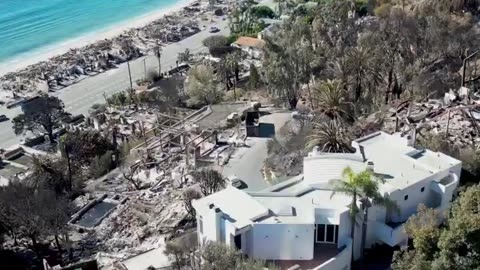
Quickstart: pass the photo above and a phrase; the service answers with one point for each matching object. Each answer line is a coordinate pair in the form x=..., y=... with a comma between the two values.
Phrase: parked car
x=3, y=118
x=236, y=182
x=214, y=29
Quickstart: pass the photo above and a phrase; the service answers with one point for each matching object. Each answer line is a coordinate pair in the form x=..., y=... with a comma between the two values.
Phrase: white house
x=301, y=223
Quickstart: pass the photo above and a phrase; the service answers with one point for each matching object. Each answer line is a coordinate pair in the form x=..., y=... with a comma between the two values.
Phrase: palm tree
x=331, y=99
x=357, y=72
x=364, y=187
x=331, y=136
x=231, y=64
x=223, y=72
x=158, y=54
x=364, y=74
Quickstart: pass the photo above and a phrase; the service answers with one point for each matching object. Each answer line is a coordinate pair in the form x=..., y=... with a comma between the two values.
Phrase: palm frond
x=339, y=186
x=330, y=136
x=331, y=99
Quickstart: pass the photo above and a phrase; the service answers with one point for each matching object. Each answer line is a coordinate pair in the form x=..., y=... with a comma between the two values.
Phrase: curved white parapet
x=322, y=168
x=446, y=187
x=388, y=235
x=341, y=261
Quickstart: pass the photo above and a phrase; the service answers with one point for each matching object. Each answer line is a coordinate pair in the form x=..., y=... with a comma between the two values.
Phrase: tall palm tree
x=331, y=99
x=331, y=136
x=357, y=72
x=232, y=65
x=364, y=75
x=158, y=54
x=223, y=72
x=362, y=186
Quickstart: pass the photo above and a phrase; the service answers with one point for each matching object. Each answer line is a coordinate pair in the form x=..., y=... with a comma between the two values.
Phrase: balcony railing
x=391, y=236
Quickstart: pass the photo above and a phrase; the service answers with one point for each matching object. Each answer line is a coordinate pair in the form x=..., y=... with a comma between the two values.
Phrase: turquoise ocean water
x=30, y=25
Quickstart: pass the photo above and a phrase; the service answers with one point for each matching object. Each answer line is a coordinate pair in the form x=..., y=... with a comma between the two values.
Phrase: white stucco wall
x=283, y=241
x=209, y=225
x=409, y=206
x=416, y=196
x=344, y=229
x=341, y=261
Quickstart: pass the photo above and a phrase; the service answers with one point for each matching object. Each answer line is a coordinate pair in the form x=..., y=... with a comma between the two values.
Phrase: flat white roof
x=287, y=210
x=237, y=204
x=303, y=204
x=299, y=200
x=399, y=164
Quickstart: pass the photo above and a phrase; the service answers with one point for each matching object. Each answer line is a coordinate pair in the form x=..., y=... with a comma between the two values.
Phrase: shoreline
x=129, y=40
x=24, y=60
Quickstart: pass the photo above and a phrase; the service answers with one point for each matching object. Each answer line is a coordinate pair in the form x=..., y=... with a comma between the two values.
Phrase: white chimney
x=370, y=166
x=218, y=225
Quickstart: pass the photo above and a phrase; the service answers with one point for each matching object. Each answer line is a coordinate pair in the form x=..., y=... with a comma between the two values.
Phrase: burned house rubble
x=456, y=118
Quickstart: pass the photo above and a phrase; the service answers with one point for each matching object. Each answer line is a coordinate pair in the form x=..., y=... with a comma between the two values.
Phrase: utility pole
x=67, y=156
x=130, y=76
x=448, y=123
x=145, y=68
x=143, y=133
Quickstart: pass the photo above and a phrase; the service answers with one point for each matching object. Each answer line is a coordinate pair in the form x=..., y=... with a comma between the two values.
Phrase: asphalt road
x=246, y=163
x=78, y=98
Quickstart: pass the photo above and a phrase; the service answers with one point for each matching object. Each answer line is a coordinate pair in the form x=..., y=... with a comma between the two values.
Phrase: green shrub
x=101, y=165
x=262, y=12
x=232, y=38
x=215, y=41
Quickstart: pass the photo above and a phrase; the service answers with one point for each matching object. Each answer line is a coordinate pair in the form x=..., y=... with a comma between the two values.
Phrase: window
x=200, y=224
x=330, y=233
x=326, y=233
x=422, y=189
x=320, y=233
x=336, y=233
x=405, y=197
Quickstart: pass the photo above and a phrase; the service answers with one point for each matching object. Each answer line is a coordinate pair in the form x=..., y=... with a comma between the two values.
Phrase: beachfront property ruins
x=302, y=224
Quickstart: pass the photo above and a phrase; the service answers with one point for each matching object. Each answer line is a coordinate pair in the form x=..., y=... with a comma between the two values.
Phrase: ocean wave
x=35, y=26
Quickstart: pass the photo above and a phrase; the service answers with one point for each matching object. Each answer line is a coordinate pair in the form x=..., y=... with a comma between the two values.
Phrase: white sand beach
x=46, y=53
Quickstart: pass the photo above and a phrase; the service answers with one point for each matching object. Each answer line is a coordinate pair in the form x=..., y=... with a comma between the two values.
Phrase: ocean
x=27, y=26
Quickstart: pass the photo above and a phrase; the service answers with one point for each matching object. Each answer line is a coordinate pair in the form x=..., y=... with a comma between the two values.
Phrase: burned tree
x=210, y=181
x=188, y=195
x=133, y=165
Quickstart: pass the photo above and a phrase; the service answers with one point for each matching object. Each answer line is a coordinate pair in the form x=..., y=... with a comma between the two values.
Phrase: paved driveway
x=247, y=162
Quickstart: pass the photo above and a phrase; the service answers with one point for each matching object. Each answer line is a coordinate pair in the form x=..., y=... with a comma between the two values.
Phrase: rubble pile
x=163, y=150
x=457, y=118
x=139, y=222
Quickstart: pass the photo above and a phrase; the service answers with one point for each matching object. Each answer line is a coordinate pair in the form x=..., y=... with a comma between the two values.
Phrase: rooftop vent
x=285, y=211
